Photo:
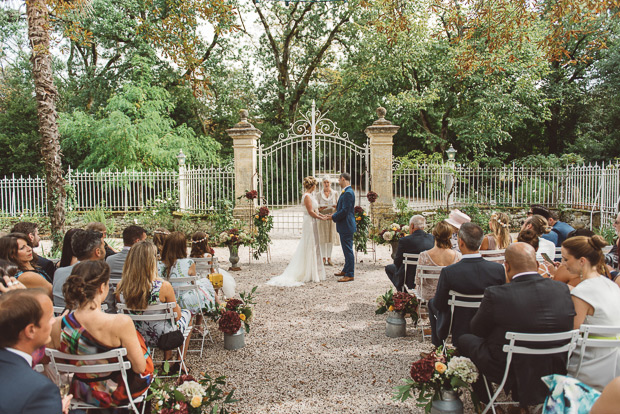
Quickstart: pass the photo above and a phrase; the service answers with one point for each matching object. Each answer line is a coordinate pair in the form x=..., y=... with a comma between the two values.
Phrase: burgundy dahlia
x=422, y=370
x=372, y=196
x=184, y=378
x=401, y=299
x=358, y=210
x=251, y=195
x=233, y=303
x=263, y=212
x=230, y=322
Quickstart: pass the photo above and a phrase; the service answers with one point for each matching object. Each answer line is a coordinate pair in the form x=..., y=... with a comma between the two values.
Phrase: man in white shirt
x=26, y=319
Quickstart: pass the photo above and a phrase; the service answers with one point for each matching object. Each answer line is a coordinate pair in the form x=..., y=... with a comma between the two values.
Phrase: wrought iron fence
x=591, y=187
x=197, y=188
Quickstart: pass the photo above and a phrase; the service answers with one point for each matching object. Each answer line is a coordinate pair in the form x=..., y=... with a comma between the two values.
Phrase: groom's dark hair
x=346, y=176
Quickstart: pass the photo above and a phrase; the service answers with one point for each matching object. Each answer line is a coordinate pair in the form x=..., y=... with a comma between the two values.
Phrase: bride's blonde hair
x=309, y=182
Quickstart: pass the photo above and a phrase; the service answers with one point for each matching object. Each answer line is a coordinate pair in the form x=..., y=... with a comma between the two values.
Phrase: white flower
x=395, y=225
x=191, y=389
x=160, y=403
x=462, y=368
x=387, y=236
x=177, y=407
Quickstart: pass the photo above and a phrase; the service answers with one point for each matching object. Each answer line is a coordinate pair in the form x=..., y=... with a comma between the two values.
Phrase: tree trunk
x=38, y=27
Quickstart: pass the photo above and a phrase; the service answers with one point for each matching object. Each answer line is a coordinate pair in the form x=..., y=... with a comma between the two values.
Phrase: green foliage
x=263, y=223
x=99, y=215
x=549, y=161
x=362, y=232
x=608, y=233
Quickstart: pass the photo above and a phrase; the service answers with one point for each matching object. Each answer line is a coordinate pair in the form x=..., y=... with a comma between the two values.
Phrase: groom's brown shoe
x=339, y=274
x=346, y=279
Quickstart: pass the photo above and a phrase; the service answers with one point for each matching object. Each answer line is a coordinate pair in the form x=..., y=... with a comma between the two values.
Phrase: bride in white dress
x=306, y=264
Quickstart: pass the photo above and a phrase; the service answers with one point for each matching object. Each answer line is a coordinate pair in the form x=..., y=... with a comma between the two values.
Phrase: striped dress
x=105, y=389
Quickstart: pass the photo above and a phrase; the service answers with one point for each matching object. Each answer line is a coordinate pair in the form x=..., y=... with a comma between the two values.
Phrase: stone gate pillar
x=245, y=139
x=381, y=133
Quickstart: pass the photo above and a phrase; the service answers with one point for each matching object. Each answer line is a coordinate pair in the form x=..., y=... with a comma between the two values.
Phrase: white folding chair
x=114, y=282
x=596, y=336
x=525, y=341
x=59, y=309
x=410, y=259
x=461, y=300
x=183, y=285
x=558, y=254
x=425, y=273
x=498, y=252
x=92, y=365
x=163, y=313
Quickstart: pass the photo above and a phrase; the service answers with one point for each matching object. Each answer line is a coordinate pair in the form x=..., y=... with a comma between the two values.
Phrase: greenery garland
x=360, y=237
x=263, y=223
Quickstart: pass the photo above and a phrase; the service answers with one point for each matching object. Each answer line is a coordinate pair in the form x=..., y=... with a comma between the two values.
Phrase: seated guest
x=609, y=401
x=174, y=264
x=8, y=270
x=529, y=303
x=611, y=258
x=559, y=271
x=131, y=235
x=416, y=242
x=32, y=231
x=539, y=224
x=87, y=330
x=87, y=245
x=470, y=276
x=67, y=257
x=500, y=237
x=201, y=253
x=26, y=318
x=440, y=255
x=140, y=288
x=559, y=228
x=101, y=228
x=16, y=248
x=159, y=237
x=597, y=302
x=530, y=237
x=455, y=220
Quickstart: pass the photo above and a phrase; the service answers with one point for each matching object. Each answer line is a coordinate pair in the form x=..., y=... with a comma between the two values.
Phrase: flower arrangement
x=360, y=237
x=233, y=313
x=440, y=369
x=372, y=196
x=189, y=395
x=263, y=223
x=393, y=233
x=402, y=302
x=235, y=237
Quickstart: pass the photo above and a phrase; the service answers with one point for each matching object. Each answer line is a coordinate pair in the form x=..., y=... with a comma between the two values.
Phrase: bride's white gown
x=306, y=264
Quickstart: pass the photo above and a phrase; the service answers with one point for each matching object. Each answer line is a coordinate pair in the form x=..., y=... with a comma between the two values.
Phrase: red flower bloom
x=251, y=195
x=230, y=322
x=233, y=303
x=401, y=300
x=372, y=196
x=184, y=378
x=263, y=212
x=422, y=370
x=358, y=210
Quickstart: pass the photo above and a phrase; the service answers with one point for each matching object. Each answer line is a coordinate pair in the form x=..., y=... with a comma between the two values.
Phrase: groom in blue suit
x=344, y=217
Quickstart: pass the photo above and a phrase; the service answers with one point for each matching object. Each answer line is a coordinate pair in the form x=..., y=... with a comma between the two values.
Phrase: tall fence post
x=182, y=182
x=381, y=134
x=245, y=139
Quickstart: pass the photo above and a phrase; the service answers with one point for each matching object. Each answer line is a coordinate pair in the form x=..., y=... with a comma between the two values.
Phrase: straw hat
x=457, y=218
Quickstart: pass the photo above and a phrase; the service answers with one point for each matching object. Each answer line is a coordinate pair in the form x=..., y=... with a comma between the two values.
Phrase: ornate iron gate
x=313, y=146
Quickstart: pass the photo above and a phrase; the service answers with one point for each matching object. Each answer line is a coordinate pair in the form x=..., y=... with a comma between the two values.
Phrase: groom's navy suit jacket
x=344, y=217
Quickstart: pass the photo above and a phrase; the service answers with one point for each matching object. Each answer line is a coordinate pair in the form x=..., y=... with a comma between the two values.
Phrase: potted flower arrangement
x=263, y=223
x=233, y=238
x=437, y=379
x=234, y=318
x=391, y=235
x=360, y=237
x=398, y=304
x=189, y=395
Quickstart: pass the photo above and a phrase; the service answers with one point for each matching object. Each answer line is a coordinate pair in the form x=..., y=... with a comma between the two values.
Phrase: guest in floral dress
x=140, y=288
x=87, y=330
x=174, y=263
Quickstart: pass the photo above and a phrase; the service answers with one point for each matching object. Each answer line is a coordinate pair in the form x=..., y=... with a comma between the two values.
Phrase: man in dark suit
x=471, y=276
x=417, y=242
x=529, y=303
x=32, y=231
x=26, y=319
x=344, y=217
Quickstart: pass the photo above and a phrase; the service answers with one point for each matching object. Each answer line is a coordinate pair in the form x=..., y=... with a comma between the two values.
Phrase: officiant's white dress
x=306, y=264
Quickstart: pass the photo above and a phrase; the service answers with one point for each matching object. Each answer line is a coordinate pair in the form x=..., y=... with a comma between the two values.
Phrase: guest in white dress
x=202, y=254
x=540, y=225
x=305, y=265
x=174, y=264
x=597, y=302
x=328, y=237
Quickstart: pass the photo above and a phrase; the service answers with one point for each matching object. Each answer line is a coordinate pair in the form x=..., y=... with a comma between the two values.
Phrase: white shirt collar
x=126, y=247
x=471, y=256
x=522, y=274
x=22, y=354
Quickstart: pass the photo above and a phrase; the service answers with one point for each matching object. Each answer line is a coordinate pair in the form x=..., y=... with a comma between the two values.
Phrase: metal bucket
x=395, y=325
x=235, y=341
x=448, y=404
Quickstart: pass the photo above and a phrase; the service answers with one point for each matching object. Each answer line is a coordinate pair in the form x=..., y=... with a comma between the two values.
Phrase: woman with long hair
x=140, y=287
x=530, y=237
x=67, y=257
x=441, y=254
x=540, y=226
x=174, y=264
x=202, y=255
x=16, y=248
x=597, y=302
x=88, y=330
x=499, y=238
x=159, y=237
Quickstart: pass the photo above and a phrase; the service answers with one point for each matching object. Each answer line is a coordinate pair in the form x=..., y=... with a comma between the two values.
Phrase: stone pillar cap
x=381, y=112
x=243, y=114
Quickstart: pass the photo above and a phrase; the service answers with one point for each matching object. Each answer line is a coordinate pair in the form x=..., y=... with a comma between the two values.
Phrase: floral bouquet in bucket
x=234, y=237
x=435, y=372
x=189, y=395
x=393, y=233
x=235, y=312
x=401, y=302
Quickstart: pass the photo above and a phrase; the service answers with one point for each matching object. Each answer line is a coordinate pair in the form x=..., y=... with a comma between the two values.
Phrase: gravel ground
x=318, y=348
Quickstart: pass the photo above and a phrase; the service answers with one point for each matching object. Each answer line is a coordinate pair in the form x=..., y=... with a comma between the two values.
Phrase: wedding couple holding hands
x=307, y=265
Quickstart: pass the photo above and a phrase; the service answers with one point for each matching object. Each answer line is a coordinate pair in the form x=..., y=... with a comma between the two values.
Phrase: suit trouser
x=392, y=273
x=346, y=240
x=432, y=319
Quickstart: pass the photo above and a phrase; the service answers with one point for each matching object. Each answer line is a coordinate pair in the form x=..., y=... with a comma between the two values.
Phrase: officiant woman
x=327, y=229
